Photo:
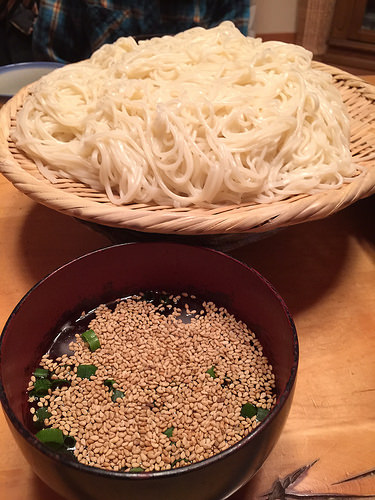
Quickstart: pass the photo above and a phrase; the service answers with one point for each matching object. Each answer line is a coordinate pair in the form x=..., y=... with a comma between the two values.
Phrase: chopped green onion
x=54, y=438
x=116, y=395
x=42, y=413
x=41, y=373
x=86, y=371
x=211, y=372
x=91, y=338
x=136, y=469
x=109, y=383
x=168, y=432
x=262, y=413
x=248, y=410
x=41, y=386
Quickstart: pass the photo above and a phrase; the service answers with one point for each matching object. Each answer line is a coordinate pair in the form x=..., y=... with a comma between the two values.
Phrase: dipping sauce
x=151, y=382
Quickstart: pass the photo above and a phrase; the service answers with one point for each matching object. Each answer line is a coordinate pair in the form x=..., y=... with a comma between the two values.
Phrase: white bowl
x=13, y=77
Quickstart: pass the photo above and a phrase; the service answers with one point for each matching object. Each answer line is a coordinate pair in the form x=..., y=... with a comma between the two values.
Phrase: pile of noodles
x=207, y=116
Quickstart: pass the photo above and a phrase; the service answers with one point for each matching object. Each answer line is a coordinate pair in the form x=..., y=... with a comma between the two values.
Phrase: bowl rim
x=118, y=475
x=29, y=64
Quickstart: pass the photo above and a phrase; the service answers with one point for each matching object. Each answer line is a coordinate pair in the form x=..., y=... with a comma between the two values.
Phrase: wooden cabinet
x=352, y=38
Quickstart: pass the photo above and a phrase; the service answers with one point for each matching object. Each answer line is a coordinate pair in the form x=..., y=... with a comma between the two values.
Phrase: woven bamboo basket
x=80, y=201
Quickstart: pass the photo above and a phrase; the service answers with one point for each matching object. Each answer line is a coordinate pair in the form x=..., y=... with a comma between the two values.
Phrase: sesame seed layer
x=182, y=377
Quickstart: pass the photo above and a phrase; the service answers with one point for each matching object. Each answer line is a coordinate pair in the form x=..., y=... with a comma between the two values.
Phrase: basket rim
x=225, y=219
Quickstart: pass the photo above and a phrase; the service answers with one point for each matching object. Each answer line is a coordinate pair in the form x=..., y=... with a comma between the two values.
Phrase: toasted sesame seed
x=173, y=411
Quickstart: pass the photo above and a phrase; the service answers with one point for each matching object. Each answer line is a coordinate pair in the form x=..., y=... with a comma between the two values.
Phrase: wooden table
x=325, y=270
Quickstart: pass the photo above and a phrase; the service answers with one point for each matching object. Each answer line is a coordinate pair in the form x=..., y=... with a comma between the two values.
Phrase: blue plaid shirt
x=70, y=30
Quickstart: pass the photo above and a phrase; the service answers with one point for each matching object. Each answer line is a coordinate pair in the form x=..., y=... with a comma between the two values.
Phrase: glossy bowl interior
x=117, y=271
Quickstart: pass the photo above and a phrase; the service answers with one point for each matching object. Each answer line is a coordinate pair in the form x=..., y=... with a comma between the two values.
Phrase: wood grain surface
x=325, y=271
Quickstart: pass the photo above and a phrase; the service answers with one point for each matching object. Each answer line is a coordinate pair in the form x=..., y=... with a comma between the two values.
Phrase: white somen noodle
x=207, y=116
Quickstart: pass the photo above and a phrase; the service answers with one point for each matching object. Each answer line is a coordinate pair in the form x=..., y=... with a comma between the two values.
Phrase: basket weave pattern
x=78, y=200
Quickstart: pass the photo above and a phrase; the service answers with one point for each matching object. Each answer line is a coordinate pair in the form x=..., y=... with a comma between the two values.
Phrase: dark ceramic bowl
x=117, y=271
